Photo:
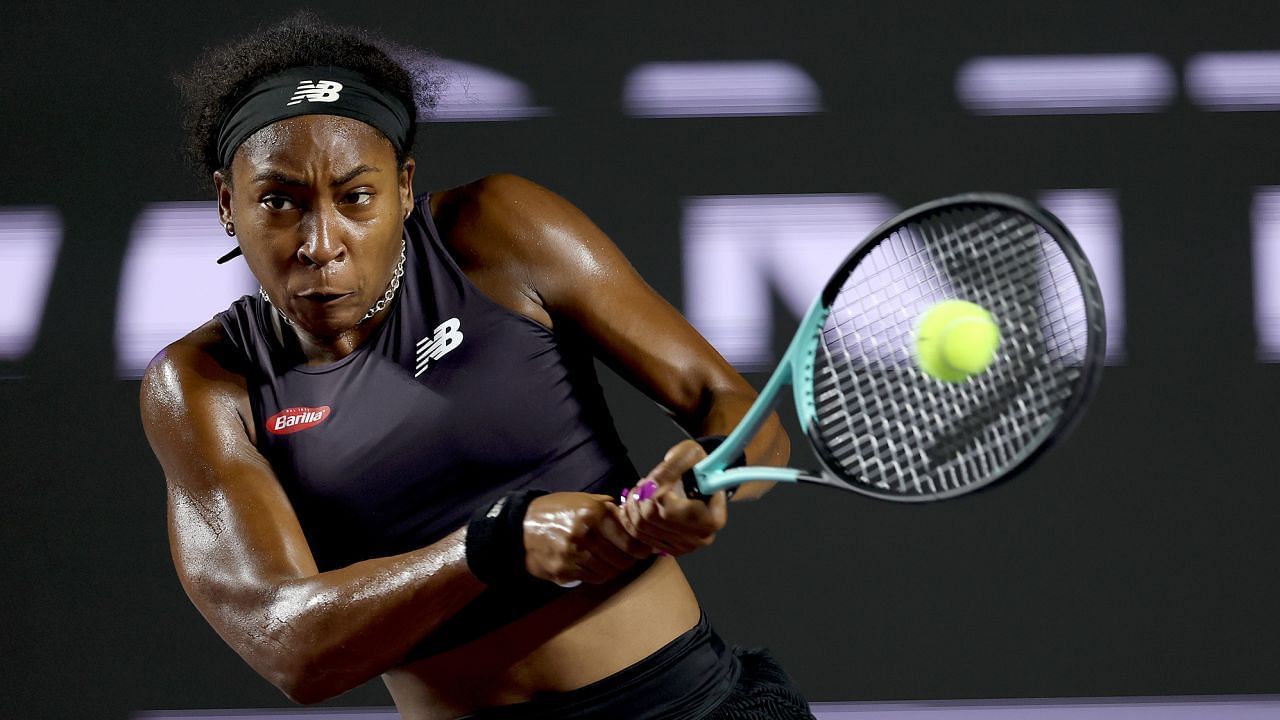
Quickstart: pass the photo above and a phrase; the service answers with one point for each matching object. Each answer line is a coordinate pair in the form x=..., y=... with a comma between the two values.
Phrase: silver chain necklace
x=378, y=307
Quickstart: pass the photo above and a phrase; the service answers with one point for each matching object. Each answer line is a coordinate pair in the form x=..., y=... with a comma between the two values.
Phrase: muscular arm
x=571, y=272
x=242, y=556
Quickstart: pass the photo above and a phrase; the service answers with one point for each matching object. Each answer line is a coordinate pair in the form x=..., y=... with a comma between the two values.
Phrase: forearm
x=322, y=635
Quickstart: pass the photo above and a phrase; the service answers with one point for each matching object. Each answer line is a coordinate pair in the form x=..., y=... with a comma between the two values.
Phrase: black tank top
x=452, y=402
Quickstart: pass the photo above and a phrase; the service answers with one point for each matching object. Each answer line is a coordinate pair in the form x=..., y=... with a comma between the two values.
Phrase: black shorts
x=694, y=677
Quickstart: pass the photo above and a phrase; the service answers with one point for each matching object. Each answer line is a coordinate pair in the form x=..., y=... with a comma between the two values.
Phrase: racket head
x=881, y=426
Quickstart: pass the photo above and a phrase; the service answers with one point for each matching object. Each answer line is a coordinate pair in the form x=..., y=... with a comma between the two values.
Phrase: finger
x=664, y=517
x=719, y=506
x=595, y=572
x=608, y=548
x=619, y=537
x=610, y=544
x=652, y=504
x=586, y=567
x=678, y=515
x=646, y=525
x=650, y=519
x=692, y=529
x=588, y=574
x=657, y=532
x=709, y=516
x=563, y=570
x=631, y=515
x=679, y=458
x=665, y=539
x=647, y=489
x=649, y=540
x=606, y=562
x=663, y=544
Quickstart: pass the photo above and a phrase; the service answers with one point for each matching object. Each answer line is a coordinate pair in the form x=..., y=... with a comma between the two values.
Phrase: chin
x=328, y=322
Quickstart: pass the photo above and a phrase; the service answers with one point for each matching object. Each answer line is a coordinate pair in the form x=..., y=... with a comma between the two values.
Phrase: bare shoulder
x=521, y=243
x=507, y=216
x=193, y=376
x=196, y=360
x=505, y=224
x=507, y=200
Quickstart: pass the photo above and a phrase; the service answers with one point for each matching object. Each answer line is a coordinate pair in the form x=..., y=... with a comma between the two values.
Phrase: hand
x=659, y=514
x=572, y=536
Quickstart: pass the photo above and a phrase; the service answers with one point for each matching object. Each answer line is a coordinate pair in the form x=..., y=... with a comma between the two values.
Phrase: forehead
x=314, y=143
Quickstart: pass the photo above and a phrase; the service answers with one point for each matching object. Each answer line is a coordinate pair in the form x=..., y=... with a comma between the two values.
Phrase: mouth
x=323, y=295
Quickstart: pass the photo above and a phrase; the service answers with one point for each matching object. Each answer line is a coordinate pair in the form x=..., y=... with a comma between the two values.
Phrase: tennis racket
x=882, y=426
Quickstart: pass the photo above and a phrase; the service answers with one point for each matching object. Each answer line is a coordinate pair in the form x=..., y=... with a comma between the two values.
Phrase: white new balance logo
x=447, y=337
x=317, y=91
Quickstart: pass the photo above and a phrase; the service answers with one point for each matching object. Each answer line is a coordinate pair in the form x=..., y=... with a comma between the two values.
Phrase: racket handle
x=694, y=492
x=710, y=443
x=691, y=488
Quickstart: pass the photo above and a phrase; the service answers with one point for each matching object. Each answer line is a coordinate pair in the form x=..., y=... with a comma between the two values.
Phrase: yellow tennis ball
x=956, y=340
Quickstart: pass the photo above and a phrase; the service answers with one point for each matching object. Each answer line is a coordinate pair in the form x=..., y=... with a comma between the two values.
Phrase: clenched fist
x=575, y=536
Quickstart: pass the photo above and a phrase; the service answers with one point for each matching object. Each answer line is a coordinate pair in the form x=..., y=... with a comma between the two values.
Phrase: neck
x=323, y=350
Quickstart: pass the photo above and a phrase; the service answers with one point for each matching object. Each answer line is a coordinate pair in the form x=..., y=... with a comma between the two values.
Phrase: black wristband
x=711, y=442
x=495, y=538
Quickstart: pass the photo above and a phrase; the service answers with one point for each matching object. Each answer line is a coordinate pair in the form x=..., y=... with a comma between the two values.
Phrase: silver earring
x=230, y=228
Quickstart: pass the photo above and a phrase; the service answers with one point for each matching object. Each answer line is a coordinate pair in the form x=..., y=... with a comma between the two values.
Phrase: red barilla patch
x=296, y=419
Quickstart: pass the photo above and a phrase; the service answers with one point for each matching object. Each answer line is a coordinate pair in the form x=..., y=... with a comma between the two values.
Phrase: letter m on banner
x=742, y=250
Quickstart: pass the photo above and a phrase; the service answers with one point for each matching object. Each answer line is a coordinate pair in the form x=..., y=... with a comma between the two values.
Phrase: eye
x=277, y=202
x=359, y=197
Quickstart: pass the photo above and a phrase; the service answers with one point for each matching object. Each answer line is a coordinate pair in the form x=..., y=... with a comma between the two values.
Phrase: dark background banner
x=1135, y=559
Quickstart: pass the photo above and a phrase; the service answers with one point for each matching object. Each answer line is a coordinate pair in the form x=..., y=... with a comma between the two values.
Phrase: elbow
x=291, y=678
x=303, y=692
x=306, y=687
x=271, y=630
x=752, y=491
x=295, y=688
x=781, y=446
x=293, y=664
x=772, y=445
x=314, y=674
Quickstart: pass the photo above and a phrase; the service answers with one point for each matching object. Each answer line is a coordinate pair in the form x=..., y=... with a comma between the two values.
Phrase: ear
x=406, y=187
x=222, y=186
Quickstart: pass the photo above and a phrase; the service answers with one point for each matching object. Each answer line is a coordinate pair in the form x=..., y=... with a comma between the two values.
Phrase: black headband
x=311, y=91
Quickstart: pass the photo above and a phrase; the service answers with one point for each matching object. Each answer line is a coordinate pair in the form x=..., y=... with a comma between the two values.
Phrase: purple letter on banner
x=739, y=250
x=708, y=89
x=29, y=240
x=1266, y=272
x=1065, y=84
x=1093, y=217
x=170, y=284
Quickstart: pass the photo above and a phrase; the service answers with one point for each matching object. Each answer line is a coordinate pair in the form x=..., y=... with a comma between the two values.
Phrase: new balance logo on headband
x=315, y=91
x=433, y=347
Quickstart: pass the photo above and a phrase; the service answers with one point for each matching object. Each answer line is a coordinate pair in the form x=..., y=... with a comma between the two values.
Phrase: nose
x=323, y=241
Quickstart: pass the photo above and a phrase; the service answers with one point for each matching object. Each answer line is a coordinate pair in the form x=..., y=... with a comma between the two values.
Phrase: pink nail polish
x=623, y=497
x=647, y=489
x=664, y=553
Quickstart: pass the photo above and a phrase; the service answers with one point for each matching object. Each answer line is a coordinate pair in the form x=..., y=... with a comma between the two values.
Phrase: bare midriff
x=585, y=636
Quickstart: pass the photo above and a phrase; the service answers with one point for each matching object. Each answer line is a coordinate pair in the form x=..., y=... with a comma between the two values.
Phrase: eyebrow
x=282, y=178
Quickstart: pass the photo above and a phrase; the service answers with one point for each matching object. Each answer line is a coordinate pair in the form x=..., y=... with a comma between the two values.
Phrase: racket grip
x=709, y=443
x=691, y=488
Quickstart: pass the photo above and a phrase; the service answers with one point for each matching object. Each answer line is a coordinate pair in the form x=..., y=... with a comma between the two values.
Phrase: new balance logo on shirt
x=315, y=91
x=445, y=338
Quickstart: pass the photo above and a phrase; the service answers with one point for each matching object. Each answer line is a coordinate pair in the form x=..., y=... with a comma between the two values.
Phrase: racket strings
x=886, y=424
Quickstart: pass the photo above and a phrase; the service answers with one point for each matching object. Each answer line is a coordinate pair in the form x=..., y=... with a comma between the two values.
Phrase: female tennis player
x=396, y=460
